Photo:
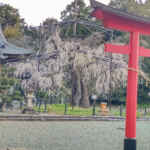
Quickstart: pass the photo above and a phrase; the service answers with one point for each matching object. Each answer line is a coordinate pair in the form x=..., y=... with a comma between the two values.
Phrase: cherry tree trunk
x=84, y=102
x=3, y=107
x=76, y=87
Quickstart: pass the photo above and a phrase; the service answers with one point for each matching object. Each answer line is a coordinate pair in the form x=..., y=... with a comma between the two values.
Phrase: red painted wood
x=98, y=14
x=121, y=49
x=131, y=103
x=144, y=52
x=125, y=49
x=117, y=22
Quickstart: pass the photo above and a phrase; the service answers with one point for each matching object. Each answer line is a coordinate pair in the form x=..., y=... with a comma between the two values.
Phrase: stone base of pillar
x=130, y=144
x=28, y=110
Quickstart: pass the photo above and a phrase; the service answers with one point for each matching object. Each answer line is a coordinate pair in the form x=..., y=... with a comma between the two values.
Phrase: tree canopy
x=10, y=20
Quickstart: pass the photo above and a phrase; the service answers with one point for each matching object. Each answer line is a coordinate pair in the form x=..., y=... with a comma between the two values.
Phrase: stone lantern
x=30, y=96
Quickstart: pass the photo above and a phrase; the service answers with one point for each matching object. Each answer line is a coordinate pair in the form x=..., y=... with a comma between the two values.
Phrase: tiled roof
x=10, y=49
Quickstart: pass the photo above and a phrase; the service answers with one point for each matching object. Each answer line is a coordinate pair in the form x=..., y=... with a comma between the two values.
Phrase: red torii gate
x=136, y=25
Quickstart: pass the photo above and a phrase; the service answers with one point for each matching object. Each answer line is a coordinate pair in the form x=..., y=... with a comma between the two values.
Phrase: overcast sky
x=36, y=11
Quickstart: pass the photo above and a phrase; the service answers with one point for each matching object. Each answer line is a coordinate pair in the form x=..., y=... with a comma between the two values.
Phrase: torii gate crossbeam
x=135, y=25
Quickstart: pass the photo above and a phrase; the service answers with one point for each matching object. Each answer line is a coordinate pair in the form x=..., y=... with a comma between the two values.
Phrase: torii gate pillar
x=131, y=103
x=134, y=51
x=135, y=25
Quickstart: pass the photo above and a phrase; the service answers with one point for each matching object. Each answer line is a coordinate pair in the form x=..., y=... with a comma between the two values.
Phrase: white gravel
x=69, y=135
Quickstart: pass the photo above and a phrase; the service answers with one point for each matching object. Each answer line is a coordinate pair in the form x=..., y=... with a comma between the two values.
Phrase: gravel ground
x=70, y=135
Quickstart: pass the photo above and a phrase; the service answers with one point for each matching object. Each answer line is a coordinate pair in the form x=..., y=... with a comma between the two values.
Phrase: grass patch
x=59, y=109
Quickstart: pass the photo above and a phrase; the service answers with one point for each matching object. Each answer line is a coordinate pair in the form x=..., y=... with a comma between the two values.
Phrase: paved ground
x=70, y=135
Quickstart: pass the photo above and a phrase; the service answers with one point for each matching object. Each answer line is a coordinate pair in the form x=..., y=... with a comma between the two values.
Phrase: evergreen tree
x=137, y=7
x=74, y=12
x=8, y=90
x=123, y=5
x=11, y=21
